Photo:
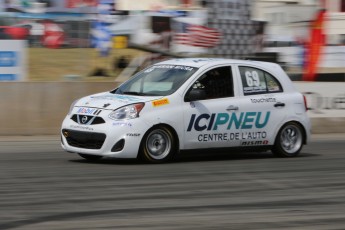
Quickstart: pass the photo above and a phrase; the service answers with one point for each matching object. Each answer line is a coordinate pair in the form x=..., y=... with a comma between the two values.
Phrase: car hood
x=112, y=101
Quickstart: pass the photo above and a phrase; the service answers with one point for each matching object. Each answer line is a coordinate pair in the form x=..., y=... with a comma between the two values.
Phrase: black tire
x=90, y=157
x=158, y=145
x=289, y=140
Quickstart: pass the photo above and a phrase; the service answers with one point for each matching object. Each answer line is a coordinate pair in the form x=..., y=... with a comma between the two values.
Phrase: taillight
x=305, y=103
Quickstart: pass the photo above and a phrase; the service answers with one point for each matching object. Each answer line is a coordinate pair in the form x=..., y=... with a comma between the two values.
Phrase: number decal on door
x=252, y=78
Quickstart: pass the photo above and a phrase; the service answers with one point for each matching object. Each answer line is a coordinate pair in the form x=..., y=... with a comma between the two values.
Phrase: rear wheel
x=158, y=145
x=289, y=140
x=90, y=157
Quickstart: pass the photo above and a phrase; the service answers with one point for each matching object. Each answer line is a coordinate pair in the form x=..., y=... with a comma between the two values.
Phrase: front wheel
x=158, y=145
x=289, y=140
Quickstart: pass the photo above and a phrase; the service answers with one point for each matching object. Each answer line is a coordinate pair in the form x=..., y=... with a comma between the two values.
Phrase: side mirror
x=196, y=95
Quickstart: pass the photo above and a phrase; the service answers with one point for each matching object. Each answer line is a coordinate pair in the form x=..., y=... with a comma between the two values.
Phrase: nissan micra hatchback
x=185, y=104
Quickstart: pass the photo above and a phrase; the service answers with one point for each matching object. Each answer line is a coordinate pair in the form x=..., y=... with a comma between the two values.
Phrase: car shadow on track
x=193, y=156
x=198, y=156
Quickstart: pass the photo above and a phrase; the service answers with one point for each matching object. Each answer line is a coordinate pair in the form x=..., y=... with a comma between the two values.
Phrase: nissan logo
x=84, y=119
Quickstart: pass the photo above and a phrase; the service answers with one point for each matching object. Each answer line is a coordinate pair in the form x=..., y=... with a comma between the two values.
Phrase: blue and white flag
x=101, y=34
x=101, y=37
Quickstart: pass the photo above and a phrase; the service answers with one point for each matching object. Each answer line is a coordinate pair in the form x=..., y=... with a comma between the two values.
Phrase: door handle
x=231, y=108
x=279, y=104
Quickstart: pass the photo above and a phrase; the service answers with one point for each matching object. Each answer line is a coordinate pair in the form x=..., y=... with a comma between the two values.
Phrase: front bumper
x=119, y=139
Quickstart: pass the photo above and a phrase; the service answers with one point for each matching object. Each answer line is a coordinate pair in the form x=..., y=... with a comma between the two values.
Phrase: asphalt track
x=44, y=188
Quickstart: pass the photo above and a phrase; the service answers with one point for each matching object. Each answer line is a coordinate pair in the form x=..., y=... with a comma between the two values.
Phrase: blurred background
x=102, y=37
x=47, y=46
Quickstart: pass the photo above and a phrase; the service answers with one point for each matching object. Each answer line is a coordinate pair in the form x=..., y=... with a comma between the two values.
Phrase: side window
x=273, y=85
x=257, y=81
x=217, y=83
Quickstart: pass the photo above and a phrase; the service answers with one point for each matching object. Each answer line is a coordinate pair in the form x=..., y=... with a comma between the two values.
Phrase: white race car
x=190, y=103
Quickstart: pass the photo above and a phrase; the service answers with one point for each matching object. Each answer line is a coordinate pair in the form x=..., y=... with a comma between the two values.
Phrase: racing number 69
x=252, y=78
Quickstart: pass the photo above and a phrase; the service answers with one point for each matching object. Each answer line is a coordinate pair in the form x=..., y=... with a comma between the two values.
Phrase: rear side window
x=257, y=81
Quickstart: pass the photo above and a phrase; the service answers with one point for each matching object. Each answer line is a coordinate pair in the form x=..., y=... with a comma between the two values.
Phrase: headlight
x=127, y=112
x=72, y=106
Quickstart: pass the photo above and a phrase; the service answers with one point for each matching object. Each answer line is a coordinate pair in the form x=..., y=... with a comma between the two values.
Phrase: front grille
x=85, y=140
x=87, y=120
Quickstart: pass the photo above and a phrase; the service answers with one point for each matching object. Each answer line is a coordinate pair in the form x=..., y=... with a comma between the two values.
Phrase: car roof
x=204, y=62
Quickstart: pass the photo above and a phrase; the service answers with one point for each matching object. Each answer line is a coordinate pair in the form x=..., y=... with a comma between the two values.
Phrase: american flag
x=196, y=35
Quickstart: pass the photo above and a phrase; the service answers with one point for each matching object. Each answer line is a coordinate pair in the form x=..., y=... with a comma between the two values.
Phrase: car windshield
x=157, y=80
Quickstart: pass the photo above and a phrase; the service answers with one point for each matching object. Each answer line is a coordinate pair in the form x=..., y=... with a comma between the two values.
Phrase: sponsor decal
x=160, y=102
x=254, y=143
x=253, y=83
x=264, y=100
x=254, y=89
x=218, y=137
x=88, y=111
x=117, y=97
x=187, y=68
x=128, y=124
x=133, y=134
x=127, y=98
x=253, y=135
x=209, y=137
x=181, y=67
x=226, y=121
x=81, y=127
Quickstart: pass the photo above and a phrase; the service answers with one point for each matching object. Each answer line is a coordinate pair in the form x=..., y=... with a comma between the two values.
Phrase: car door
x=263, y=106
x=208, y=117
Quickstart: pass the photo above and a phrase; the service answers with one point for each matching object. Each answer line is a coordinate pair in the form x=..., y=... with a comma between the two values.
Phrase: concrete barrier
x=38, y=108
x=323, y=125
